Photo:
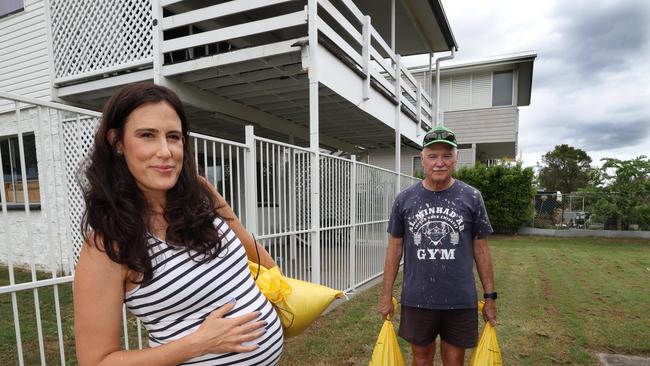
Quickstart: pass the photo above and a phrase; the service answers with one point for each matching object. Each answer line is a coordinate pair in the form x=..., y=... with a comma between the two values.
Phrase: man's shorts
x=457, y=327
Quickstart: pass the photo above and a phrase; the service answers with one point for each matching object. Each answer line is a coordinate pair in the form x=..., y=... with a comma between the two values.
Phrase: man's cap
x=439, y=134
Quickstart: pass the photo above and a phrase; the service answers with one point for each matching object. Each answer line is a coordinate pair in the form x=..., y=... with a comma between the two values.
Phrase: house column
x=313, y=140
x=158, y=57
x=473, y=154
x=398, y=111
x=392, y=25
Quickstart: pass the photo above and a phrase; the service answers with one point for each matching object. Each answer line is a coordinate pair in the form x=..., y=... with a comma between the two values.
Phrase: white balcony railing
x=91, y=38
x=95, y=39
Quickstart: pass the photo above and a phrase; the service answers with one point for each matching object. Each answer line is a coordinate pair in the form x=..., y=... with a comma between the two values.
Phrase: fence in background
x=266, y=182
x=572, y=212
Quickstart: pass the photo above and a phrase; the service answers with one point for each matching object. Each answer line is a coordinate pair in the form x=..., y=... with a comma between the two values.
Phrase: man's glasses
x=439, y=135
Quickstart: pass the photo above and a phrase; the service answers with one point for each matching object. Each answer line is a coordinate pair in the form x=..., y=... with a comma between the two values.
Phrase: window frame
x=15, y=178
x=512, y=88
x=419, y=167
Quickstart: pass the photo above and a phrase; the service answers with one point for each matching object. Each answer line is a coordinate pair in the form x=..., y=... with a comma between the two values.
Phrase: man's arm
x=391, y=267
x=483, y=261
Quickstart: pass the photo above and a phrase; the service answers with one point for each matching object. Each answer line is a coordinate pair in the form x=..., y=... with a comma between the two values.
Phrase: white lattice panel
x=78, y=135
x=94, y=36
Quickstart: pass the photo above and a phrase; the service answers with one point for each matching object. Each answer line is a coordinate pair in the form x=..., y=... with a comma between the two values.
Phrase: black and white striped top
x=182, y=293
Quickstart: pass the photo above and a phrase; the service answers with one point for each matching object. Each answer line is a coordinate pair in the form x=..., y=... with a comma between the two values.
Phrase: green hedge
x=507, y=191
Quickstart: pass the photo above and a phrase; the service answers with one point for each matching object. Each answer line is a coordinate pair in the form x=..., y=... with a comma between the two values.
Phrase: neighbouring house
x=480, y=100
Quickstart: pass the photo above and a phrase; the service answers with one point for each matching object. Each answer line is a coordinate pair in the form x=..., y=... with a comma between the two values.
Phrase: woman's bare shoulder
x=93, y=259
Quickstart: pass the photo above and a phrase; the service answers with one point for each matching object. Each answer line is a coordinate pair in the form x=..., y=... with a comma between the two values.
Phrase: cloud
x=601, y=36
x=608, y=134
x=591, y=82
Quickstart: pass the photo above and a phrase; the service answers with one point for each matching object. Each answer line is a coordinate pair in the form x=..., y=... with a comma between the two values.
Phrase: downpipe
x=444, y=58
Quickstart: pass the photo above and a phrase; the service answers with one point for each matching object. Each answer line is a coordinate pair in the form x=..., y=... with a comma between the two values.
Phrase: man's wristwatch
x=491, y=295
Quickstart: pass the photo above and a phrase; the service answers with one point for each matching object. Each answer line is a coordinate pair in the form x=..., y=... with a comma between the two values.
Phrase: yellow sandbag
x=298, y=303
x=487, y=352
x=387, y=351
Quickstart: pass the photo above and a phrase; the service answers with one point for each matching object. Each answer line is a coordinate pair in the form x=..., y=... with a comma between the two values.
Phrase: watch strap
x=490, y=295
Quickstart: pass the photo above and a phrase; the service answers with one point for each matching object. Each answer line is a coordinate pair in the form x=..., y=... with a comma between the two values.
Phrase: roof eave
x=443, y=22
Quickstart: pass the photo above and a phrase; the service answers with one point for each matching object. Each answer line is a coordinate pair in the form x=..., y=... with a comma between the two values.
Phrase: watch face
x=492, y=295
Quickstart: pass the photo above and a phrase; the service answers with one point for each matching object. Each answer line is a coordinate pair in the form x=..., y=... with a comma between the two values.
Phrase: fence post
x=353, y=221
x=532, y=224
x=250, y=187
x=314, y=75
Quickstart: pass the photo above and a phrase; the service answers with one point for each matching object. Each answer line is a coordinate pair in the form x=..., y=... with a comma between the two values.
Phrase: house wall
x=386, y=158
x=465, y=90
x=24, y=59
x=45, y=225
x=497, y=124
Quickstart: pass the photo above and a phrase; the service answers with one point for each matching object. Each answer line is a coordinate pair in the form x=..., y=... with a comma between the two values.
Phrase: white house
x=321, y=79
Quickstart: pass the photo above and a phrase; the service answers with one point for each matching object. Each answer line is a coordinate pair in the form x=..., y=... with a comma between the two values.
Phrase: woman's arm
x=98, y=296
x=252, y=247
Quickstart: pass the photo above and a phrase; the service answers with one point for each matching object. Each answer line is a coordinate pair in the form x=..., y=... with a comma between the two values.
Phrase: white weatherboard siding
x=385, y=158
x=497, y=124
x=464, y=91
x=24, y=66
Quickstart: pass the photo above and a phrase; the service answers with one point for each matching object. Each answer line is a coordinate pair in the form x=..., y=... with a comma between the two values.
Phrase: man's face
x=438, y=161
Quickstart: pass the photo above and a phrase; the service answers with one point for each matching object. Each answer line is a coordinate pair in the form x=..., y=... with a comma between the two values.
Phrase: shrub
x=507, y=191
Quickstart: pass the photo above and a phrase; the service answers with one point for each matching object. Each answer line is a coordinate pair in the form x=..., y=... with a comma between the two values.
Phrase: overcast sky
x=591, y=79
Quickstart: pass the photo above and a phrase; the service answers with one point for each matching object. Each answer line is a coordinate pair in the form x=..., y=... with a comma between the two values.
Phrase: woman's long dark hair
x=117, y=211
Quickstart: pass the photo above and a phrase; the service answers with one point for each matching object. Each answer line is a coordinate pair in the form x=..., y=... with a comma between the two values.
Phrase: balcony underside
x=276, y=86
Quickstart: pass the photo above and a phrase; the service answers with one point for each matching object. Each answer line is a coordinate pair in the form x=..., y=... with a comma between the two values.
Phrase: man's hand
x=490, y=311
x=386, y=307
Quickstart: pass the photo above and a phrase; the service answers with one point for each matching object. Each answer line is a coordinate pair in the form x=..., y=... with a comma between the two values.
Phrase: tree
x=621, y=190
x=565, y=169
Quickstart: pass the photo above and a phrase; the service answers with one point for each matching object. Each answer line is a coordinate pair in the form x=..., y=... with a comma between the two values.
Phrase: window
x=12, y=174
x=418, y=170
x=266, y=192
x=226, y=182
x=8, y=7
x=502, y=88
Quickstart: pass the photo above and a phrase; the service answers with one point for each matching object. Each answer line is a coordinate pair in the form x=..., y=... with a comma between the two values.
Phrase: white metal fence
x=35, y=298
x=266, y=182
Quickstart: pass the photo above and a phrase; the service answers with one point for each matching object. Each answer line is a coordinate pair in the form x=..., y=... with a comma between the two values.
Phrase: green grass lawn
x=560, y=301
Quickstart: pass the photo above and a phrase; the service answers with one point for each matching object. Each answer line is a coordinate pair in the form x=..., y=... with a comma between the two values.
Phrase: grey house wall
x=496, y=124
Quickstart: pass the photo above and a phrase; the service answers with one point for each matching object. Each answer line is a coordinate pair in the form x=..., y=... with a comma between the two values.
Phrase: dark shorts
x=457, y=327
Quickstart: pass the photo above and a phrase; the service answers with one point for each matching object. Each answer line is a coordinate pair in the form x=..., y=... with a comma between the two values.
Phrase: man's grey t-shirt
x=438, y=229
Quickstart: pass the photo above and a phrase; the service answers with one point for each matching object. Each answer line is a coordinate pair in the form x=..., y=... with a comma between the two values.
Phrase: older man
x=441, y=226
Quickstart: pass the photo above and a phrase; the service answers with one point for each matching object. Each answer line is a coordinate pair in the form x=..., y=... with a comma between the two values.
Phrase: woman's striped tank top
x=182, y=293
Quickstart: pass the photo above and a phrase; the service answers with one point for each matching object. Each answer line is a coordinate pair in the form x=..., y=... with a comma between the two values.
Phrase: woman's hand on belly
x=220, y=335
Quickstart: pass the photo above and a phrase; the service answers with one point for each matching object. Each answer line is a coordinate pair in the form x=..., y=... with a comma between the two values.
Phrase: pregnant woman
x=161, y=241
